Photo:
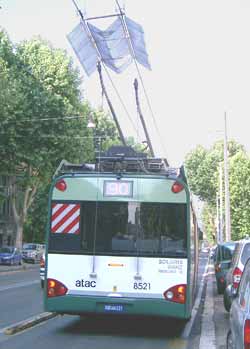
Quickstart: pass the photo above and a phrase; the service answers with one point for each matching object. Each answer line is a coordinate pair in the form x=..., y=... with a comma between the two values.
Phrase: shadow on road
x=132, y=327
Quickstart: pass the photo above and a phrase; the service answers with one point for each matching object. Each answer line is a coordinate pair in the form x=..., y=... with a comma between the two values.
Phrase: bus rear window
x=127, y=228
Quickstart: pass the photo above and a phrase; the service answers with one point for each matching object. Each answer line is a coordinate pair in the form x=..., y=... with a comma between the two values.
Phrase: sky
x=200, y=58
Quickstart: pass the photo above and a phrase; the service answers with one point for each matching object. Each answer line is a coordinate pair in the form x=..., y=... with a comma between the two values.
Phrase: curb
x=189, y=326
x=20, y=326
x=207, y=338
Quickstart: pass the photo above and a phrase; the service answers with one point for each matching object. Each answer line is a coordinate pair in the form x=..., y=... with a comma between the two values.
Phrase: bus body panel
x=117, y=276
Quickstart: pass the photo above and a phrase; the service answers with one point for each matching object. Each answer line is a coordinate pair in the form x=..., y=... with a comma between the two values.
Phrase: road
x=21, y=298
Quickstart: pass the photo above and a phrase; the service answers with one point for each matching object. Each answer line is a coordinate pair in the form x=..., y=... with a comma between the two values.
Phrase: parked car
x=42, y=269
x=32, y=252
x=10, y=255
x=222, y=259
x=240, y=257
x=238, y=336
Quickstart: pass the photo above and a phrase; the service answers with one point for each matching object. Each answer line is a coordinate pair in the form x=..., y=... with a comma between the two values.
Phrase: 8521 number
x=142, y=286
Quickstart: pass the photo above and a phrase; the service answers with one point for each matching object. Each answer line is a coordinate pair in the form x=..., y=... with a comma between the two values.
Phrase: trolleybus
x=121, y=238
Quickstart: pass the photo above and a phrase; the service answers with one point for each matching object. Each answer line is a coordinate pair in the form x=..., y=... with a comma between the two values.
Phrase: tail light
x=42, y=262
x=236, y=277
x=222, y=280
x=176, y=294
x=177, y=187
x=61, y=185
x=55, y=288
x=247, y=334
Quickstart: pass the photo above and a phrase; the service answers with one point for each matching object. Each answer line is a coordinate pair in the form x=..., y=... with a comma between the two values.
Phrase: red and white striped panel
x=65, y=218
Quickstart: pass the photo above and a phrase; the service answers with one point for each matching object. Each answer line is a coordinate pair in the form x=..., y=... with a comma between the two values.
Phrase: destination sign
x=118, y=188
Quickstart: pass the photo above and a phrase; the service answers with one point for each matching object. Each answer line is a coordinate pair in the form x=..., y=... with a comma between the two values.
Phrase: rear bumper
x=29, y=259
x=6, y=261
x=71, y=304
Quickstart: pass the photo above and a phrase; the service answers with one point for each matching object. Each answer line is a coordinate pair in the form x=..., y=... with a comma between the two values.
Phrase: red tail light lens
x=236, y=277
x=247, y=334
x=177, y=187
x=55, y=288
x=176, y=294
x=61, y=185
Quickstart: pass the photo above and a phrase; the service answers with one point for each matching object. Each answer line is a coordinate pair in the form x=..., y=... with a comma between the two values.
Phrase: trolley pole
x=227, y=194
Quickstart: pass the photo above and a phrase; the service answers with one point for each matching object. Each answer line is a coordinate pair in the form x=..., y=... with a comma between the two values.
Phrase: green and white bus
x=121, y=239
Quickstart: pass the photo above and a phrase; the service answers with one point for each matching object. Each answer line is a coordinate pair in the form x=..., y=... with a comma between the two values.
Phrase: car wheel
x=230, y=344
x=226, y=301
x=20, y=262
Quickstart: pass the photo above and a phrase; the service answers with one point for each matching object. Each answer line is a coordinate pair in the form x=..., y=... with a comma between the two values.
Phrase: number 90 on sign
x=118, y=188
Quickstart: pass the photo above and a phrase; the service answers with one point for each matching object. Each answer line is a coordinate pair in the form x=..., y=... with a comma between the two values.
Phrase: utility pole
x=221, y=225
x=217, y=218
x=227, y=194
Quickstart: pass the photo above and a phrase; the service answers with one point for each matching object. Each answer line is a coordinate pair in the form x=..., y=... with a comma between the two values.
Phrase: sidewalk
x=214, y=318
x=23, y=267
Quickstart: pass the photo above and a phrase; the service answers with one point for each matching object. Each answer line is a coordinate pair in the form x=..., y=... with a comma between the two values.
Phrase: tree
x=202, y=167
x=37, y=129
x=240, y=195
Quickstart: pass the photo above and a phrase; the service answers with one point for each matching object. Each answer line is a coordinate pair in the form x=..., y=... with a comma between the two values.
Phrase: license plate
x=116, y=308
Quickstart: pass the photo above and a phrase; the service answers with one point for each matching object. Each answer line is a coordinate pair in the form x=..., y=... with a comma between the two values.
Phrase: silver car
x=238, y=336
x=233, y=276
x=32, y=252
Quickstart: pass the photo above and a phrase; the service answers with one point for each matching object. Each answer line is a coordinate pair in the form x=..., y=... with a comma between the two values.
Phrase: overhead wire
x=44, y=119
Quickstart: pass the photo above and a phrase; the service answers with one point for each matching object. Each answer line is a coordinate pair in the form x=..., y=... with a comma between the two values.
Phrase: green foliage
x=42, y=118
x=104, y=133
x=240, y=195
x=202, y=167
x=208, y=218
